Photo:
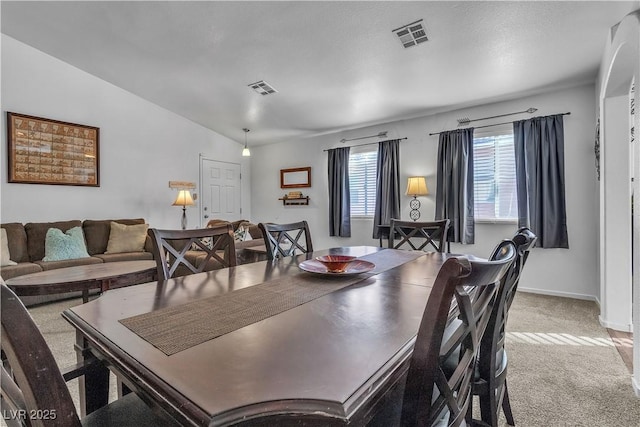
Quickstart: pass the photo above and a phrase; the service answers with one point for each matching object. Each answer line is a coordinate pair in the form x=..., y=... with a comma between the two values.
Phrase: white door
x=220, y=191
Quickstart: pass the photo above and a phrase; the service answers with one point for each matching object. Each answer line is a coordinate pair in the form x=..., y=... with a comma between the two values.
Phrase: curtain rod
x=378, y=135
x=466, y=120
x=495, y=124
x=366, y=143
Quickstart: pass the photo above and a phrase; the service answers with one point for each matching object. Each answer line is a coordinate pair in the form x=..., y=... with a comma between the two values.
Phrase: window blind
x=494, y=178
x=362, y=182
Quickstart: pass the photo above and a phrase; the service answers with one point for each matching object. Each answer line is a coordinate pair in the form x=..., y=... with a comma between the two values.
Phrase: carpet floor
x=564, y=370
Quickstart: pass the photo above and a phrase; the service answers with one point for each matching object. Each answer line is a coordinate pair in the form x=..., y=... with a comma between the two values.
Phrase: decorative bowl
x=336, y=263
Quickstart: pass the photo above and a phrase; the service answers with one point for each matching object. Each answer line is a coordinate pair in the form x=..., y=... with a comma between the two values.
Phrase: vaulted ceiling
x=335, y=65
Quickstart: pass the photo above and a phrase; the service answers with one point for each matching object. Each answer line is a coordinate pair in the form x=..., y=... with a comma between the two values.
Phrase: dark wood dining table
x=338, y=358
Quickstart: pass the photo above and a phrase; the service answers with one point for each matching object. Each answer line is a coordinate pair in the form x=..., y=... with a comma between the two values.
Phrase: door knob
x=206, y=216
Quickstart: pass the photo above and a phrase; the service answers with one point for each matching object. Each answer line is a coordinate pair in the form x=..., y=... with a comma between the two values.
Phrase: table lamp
x=417, y=186
x=184, y=199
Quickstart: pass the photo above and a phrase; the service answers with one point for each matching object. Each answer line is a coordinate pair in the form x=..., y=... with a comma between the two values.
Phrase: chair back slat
x=284, y=240
x=435, y=394
x=419, y=235
x=32, y=366
x=170, y=248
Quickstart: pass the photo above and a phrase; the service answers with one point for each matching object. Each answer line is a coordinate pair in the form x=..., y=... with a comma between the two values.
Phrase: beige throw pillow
x=5, y=256
x=126, y=238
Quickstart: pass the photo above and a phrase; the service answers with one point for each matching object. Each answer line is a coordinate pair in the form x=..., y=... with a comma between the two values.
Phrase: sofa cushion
x=125, y=256
x=126, y=238
x=17, y=241
x=37, y=232
x=59, y=246
x=53, y=265
x=97, y=232
x=5, y=255
x=22, y=268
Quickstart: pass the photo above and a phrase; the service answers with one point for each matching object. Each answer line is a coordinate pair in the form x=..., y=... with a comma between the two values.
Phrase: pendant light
x=245, y=150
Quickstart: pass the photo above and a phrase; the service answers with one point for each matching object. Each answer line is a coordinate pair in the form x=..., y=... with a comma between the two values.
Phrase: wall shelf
x=295, y=201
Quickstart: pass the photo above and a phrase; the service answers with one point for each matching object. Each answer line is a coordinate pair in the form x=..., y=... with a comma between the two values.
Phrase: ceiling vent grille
x=262, y=87
x=411, y=34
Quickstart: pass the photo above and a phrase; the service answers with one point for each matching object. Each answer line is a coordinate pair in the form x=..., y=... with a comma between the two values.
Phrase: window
x=362, y=181
x=494, y=178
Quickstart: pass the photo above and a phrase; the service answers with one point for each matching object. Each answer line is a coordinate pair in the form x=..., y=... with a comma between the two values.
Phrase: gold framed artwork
x=44, y=151
x=295, y=177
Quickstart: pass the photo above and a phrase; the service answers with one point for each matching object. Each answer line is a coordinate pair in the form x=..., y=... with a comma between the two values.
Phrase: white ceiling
x=336, y=65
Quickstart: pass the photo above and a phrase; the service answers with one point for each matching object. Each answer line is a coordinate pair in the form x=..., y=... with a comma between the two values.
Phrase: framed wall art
x=44, y=151
x=295, y=178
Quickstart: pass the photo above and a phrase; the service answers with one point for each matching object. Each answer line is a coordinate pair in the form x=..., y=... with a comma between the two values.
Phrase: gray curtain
x=339, y=195
x=539, y=150
x=454, y=189
x=387, y=185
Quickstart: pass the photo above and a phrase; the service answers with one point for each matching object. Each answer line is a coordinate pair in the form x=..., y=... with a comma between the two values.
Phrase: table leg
x=85, y=296
x=94, y=384
x=105, y=285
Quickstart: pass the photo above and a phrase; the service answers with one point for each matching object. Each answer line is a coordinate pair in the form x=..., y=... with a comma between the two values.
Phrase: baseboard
x=615, y=326
x=603, y=323
x=558, y=294
x=636, y=386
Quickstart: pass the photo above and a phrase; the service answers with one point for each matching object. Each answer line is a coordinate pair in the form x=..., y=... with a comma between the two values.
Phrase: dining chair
x=419, y=235
x=283, y=240
x=34, y=392
x=435, y=395
x=490, y=383
x=183, y=252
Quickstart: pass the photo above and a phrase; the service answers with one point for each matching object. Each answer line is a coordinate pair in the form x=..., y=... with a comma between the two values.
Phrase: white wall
x=569, y=272
x=142, y=146
x=616, y=296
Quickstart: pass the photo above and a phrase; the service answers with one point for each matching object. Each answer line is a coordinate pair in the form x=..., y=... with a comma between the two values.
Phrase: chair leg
x=506, y=405
x=489, y=405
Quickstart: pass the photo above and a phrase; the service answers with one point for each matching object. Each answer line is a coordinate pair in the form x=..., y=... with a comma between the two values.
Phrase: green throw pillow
x=59, y=246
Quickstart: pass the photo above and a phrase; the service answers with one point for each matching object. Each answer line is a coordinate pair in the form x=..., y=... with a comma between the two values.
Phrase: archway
x=620, y=164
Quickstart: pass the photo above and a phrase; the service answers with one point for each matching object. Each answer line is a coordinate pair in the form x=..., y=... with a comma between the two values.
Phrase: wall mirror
x=295, y=177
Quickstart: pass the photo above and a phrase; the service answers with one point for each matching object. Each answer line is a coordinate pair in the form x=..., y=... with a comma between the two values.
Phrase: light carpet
x=563, y=368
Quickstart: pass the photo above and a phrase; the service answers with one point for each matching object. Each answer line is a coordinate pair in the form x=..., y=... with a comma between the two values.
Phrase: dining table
x=270, y=343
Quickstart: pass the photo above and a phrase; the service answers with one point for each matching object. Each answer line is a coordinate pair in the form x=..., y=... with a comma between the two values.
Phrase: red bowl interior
x=336, y=263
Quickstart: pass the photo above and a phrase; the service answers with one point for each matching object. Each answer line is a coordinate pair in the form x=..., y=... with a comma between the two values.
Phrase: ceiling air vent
x=262, y=87
x=411, y=34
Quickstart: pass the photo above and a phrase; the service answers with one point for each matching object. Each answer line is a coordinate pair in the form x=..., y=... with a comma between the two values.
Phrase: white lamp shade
x=184, y=199
x=246, y=152
x=417, y=186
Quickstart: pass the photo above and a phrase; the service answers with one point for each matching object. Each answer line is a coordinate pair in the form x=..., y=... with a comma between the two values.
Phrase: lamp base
x=183, y=223
x=414, y=204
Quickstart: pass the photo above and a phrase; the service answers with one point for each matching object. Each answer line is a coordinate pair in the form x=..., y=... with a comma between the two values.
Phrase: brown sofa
x=27, y=245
